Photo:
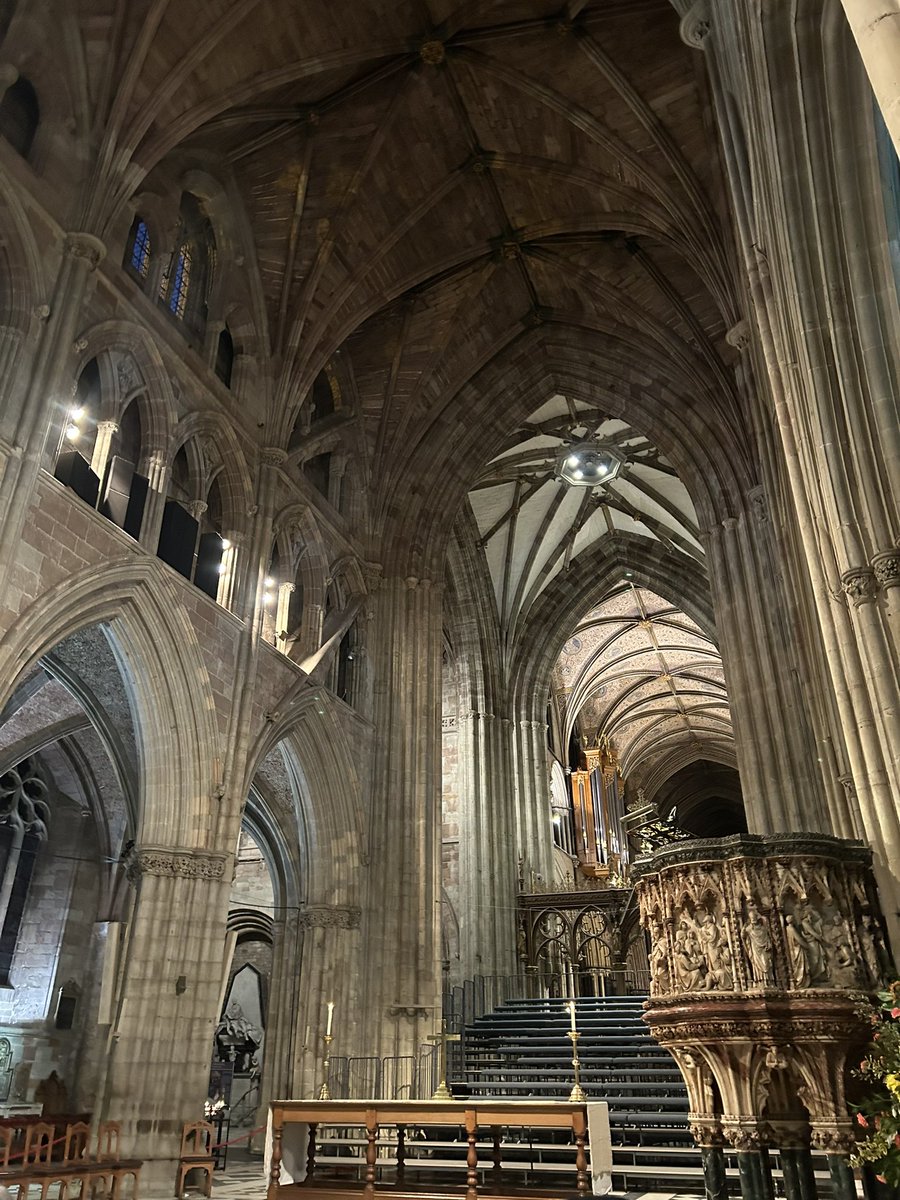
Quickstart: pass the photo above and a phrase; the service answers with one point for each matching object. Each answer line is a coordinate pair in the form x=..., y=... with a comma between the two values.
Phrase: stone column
x=825, y=345
x=401, y=925
x=106, y=430
x=487, y=846
x=153, y=465
x=531, y=776
x=282, y=1012
x=329, y=971
x=157, y=1066
x=876, y=27
x=228, y=575
x=41, y=415
x=781, y=786
x=285, y=591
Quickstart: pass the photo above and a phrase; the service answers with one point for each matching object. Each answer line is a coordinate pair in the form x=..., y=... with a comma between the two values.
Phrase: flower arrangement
x=878, y=1116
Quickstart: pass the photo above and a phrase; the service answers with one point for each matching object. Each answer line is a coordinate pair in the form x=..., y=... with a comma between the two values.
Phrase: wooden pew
x=73, y=1174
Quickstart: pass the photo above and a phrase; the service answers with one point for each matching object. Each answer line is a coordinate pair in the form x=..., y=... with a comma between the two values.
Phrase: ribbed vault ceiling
x=419, y=186
x=639, y=671
x=533, y=525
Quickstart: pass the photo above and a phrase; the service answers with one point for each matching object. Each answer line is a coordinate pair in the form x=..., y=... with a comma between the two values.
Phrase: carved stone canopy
x=763, y=951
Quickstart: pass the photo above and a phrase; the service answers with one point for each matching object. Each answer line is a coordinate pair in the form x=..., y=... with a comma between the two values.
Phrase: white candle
x=330, y=1017
x=572, y=1015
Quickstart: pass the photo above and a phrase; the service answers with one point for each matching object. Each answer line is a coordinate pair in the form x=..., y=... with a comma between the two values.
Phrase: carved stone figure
x=796, y=952
x=659, y=965
x=715, y=949
x=758, y=945
x=812, y=931
x=840, y=951
x=869, y=952
x=690, y=967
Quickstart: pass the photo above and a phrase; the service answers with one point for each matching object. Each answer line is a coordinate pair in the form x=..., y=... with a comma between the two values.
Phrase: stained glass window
x=140, y=250
x=181, y=282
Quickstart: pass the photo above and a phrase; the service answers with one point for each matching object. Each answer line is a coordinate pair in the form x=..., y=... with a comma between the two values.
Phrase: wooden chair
x=38, y=1145
x=196, y=1155
x=110, y=1170
x=7, y=1142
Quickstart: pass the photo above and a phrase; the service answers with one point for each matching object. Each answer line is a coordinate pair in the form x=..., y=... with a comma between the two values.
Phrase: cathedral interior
x=449, y=550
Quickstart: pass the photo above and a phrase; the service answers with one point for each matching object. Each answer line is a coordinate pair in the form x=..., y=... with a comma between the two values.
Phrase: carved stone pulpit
x=764, y=952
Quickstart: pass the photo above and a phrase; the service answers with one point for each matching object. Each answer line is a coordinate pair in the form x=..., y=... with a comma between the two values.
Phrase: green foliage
x=878, y=1116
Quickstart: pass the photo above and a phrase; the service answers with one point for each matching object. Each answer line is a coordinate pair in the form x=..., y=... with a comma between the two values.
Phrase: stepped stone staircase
x=521, y=1050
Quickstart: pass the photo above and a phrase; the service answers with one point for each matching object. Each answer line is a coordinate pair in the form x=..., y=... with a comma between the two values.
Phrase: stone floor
x=244, y=1180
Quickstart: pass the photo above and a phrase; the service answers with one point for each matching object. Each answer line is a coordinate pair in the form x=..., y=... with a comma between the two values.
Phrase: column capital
x=887, y=568
x=196, y=508
x=860, y=585
x=696, y=25
x=739, y=334
x=176, y=862
x=272, y=456
x=85, y=246
x=838, y=1138
x=743, y=1132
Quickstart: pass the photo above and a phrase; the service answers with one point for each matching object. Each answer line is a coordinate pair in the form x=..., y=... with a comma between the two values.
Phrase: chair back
x=78, y=1140
x=38, y=1144
x=108, y=1135
x=7, y=1141
x=197, y=1139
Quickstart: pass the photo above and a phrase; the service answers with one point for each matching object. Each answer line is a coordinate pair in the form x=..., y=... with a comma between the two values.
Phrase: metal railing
x=397, y=1077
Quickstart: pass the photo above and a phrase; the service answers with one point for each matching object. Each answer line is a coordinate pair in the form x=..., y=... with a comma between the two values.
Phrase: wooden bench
x=31, y=1164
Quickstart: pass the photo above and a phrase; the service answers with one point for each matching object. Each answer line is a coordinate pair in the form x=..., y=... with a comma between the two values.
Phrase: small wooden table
x=472, y=1115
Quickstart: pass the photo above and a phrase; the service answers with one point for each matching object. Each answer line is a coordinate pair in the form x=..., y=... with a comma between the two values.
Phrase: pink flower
x=895, y=1012
x=861, y=1120
x=881, y=1179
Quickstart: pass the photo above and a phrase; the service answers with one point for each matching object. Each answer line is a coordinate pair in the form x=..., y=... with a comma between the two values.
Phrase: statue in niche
x=812, y=931
x=872, y=949
x=659, y=965
x=237, y=1039
x=690, y=965
x=758, y=946
x=796, y=952
x=837, y=938
x=715, y=950
x=52, y=1095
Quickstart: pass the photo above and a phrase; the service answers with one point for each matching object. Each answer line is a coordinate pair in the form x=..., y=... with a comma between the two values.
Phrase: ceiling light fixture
x=588, y=464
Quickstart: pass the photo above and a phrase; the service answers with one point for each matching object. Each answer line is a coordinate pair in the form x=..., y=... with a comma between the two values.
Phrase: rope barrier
x=244, y=1137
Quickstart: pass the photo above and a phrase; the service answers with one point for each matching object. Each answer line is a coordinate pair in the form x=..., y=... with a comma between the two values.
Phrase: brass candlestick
x=576, y=1096
x=324, y=1093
